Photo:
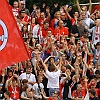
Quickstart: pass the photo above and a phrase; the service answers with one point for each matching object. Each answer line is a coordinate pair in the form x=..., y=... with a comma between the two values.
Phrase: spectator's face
x=80, y=22
x=33, y=20
x=90, y=95
x=98, y=67
x=57, y=15
x=61, y=24
x=70, y=8
x=14, y=83
x=79, y=87
x=40, y=79
x=28, y=89
x=29, y=63
x=34, y=7
x=98, y=14
x=22, y=5
x=10, y=73
x=6, y=96
x=83, y=15
x=28, y=70
x=15, y=4
x=0, y=87
x=49, y=33
x=97, y=22
x=13, y=67
x=42, y=15
x=73, y=78
x=46, y=25
x=63, y=69
x=30, y=35
x=76, y=14
x=24, y=28
x=97, y=76
x=22, y=14
x=98, y=47
x=61, y=10
x=63, y=16
x=47, y=9
x=55, y=96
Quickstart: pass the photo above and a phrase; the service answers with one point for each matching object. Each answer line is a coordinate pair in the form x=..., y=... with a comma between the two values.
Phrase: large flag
x=12, y=48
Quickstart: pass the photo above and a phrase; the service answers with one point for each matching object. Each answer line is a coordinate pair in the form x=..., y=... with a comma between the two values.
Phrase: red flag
x=12, y=48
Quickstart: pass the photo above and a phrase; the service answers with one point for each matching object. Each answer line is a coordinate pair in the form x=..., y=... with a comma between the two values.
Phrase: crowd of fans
x=64, y=54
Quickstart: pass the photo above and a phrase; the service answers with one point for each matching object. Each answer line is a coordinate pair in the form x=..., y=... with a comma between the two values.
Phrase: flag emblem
x=4, y=37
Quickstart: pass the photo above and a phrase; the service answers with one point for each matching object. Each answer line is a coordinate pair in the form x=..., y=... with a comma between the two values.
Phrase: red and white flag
x=12, y=48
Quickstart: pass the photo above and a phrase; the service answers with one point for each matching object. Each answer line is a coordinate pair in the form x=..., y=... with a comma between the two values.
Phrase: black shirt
x=1, y=95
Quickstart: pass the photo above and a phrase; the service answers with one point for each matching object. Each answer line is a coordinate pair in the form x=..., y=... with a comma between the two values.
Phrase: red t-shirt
x=60, y=31
x=15, y=11
x=26, y=18
x=41, y=21
x=45, y=32
x=50, y=98
x=79, y=94
x=15, y=92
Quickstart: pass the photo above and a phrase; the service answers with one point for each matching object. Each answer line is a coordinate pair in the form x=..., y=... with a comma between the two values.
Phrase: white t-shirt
x=87, y=22
x=30, y=77
x=35, y=31
x=36, y=88
x=53, y=79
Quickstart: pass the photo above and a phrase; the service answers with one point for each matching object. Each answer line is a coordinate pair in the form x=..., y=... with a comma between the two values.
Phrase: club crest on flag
x=4, y=37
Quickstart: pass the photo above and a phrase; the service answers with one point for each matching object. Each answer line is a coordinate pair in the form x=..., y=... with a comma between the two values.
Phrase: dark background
x=50, y=3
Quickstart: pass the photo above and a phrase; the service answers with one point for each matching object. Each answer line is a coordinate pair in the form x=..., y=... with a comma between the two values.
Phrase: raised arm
x=78, y=5
x=90, y=7
x=44, y=65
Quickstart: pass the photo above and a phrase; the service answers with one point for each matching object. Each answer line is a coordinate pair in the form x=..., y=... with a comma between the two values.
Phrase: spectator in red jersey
x=45, y=29
x=60, y=30
x=78, y=94
x=92, y=85
x=42, y=18
x=15, y=8
x=55, y=20
x=13, y=85
x=25, y=18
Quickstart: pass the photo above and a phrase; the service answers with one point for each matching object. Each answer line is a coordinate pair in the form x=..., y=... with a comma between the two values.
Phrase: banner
x=12, y=48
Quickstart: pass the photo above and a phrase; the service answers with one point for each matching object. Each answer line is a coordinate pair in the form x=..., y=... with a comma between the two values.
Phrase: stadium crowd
x=64, y=54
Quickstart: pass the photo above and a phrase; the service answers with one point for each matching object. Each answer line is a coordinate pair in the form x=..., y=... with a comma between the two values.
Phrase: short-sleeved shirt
x=78, y=94
x=30, y=77
x=15, y=92
x=53, y=79
x=36, y=88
